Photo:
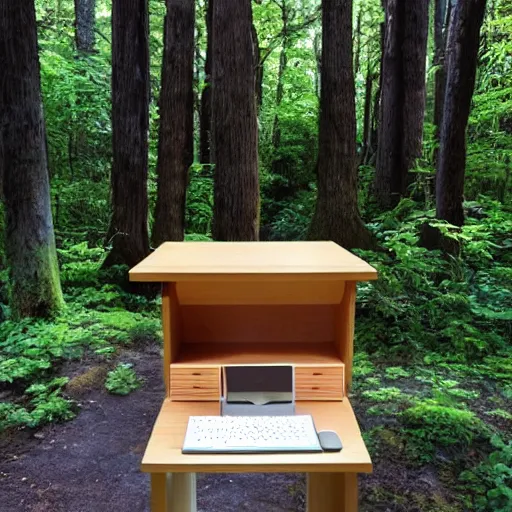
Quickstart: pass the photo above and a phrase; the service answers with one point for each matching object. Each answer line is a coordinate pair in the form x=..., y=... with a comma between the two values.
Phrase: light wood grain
x=166, y=329
x=312, y=381
x=345, y=320
x=163, y=452
x=198, y=354
x=158, y=492
x=251, y=261
x=258, y=324
x=260, y=292
x=195, y=383
x=332, y=492
x=319, y=382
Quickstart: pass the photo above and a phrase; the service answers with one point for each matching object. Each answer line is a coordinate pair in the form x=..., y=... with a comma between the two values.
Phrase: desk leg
x=332, y=492
x=181, y=492
x=158, y=492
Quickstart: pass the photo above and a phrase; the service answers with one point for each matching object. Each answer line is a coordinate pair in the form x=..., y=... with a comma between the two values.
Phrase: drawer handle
x=317, y=373
x=315, y=388
x=196, y=387
x=196, y=373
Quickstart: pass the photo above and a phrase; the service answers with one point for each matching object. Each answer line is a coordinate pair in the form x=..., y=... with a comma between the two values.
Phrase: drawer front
x=195, y=383
x=319, y=382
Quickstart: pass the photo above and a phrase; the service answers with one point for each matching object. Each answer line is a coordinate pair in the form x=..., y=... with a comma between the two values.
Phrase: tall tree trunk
x=440, y=30
x=128, y=230
x=283, y=61
x=85, y=21
x=318, y=58
x=176, y=134
x=414, y=53
x=357, y=57
x=205, y=156
x=462, y=54
x=367, y=116
x=377, y=107
x=402, y=97
x=234, y=123
x=276, y=129
x=337, y=215
x=29, y=236
x=258, y=66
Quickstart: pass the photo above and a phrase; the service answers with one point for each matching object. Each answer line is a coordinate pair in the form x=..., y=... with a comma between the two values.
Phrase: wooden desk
x=252, y=303
x=329, y=473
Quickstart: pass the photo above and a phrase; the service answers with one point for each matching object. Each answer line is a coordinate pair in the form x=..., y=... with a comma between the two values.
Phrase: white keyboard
x=251, y=434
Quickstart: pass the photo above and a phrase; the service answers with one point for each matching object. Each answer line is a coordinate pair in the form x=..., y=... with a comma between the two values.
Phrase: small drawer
x=319, y=382
x=195, y=383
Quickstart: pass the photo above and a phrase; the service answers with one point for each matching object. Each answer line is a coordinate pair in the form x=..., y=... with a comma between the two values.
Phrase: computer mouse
x=329, y=441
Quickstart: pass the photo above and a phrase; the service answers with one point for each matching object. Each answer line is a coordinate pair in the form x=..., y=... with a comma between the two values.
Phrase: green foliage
x=430, y=424
x=383, y=394
x=45, y=405
x=199, y=210
x=490, y=482
x=396, y=372
x=123, y=380
x=426, y=301
x=362, y=365
x=500, y=413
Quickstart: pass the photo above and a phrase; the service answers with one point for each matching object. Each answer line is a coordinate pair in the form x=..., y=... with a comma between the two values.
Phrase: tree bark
x=85, y=21
x=440, y=30
x=176, y=134
x=367, y=116
x=29, y=235
x=276, y=128
x=337, y=215
x=357, y=57
x=128, y=232
x=462, y=55
x=234, y=123
x=318, y=59
x=258, y=66
x=205, y=156
x=283, y=61
x=402, y=97
x=414, y=52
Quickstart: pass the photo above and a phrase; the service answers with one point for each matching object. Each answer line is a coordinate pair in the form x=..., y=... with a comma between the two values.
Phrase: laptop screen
x=259, y=384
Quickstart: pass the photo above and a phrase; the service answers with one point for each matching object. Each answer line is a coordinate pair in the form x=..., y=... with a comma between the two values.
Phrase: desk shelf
x=257, y=353
x=319, y=371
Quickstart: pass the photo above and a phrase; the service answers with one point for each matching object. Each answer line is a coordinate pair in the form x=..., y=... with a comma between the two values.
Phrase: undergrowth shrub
x=490, y=483
x=43, y=404
x=123, y=380
x=459, y=306
x=429, y=424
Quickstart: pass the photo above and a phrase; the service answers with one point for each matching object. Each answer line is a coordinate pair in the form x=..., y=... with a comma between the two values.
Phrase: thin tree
x=283, y=61
x=176, y=136
x=337, y=215
x=85, y=21
x=462, y=54
x=29, y=236
x=441, y=16
x=259, y=69
x=402, y=97
x=234, y=123
x=128, y=232
x=206, y=96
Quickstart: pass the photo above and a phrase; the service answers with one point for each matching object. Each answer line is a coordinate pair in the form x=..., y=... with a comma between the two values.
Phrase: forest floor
x=91, y=463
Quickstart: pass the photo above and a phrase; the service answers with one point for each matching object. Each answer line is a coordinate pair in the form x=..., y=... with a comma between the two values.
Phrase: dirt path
x=91, y=464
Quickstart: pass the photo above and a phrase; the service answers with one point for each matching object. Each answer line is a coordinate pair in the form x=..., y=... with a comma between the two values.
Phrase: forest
x=383, y=125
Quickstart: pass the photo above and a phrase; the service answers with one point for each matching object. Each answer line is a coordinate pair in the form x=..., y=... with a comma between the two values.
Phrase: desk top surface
x=163, y=452
x=245, y=261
